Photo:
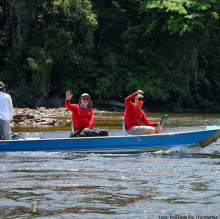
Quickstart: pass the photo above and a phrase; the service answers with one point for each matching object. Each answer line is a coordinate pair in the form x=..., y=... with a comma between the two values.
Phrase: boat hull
x=111, y=144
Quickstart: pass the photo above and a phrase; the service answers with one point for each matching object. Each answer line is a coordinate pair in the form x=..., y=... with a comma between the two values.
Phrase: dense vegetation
x=168, y=48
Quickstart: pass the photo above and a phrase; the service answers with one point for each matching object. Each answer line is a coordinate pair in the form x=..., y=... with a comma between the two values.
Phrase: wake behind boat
x=116, y=142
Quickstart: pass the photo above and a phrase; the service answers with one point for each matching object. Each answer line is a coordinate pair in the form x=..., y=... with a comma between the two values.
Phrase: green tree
x=180, y=30
x=62, y=30
x=41, y=66
x=170, y=49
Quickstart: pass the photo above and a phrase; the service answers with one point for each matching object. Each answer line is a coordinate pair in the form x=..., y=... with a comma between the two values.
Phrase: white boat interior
x=66, y=134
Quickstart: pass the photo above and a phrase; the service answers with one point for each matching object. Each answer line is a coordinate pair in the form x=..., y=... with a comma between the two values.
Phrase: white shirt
x=6, y=107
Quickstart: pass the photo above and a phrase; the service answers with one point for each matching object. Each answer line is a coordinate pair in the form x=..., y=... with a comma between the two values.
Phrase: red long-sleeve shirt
x=134, y=116
x=82, y=118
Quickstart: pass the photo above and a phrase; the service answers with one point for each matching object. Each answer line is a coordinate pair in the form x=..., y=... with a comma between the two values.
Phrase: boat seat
x=124, y=128
x=72, y=126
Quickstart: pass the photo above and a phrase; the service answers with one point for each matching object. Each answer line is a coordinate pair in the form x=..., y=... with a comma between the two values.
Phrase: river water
x=180, y=183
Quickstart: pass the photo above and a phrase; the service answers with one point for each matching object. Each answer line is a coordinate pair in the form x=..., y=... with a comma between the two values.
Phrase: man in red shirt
x=83, y=116
x=134, y=116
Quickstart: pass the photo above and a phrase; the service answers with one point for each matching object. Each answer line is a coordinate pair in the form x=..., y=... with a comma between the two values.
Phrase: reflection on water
x=113, y=121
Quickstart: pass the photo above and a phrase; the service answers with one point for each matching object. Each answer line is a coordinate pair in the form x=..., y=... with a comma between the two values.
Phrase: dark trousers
x=97, y=132
x=93, y=132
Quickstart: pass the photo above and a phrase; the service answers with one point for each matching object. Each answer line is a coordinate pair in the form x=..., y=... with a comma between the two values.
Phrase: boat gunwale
x=104, y=137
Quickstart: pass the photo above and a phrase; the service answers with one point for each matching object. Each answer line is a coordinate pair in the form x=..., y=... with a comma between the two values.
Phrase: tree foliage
x=168, y=48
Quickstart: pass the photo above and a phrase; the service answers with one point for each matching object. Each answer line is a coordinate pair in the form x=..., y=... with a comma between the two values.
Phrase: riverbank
x=46, y=112
x=42, y=116
x=39, y=116
x=60, y=116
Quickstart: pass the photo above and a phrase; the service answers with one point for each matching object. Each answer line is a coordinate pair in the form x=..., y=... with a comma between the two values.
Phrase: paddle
x=18, y=135
x=164, y=119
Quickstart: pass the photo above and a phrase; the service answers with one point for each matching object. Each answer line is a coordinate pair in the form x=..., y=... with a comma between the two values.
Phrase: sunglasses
x=140, y=99
x=85, y=98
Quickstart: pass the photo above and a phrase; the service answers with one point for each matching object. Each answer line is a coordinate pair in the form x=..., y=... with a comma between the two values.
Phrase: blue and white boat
x=116, y=142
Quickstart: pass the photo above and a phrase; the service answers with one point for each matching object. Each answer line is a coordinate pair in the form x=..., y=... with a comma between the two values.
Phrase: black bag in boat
x=93, y=132
x=97, y=132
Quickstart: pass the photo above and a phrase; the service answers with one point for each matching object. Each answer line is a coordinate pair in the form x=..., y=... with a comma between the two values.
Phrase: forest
x=170, y=49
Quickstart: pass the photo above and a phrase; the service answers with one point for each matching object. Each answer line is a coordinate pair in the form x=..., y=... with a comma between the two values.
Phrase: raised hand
x=140, y=92
x=68, y=95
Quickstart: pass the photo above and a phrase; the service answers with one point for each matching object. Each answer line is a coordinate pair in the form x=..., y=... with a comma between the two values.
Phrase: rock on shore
x=43, y=111
x=42, y=116
x=39, y=116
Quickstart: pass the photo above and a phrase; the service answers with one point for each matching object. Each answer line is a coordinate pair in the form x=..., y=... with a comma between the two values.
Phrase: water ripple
x=69, y=185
